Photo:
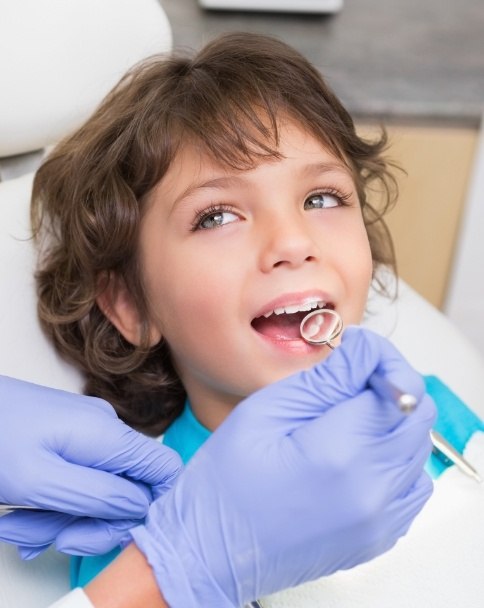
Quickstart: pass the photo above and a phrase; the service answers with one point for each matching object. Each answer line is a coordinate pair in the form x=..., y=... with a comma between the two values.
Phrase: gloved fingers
x=409, y=504
x=64, y=411
x=32, y=531
x=342, y=376
x=27, y=553
x=349, y=430
x=91, y=536
x=394, y=523
x=411, y=436
x=421, y=491
x=401, y=477
x=66, y=487
x=406, y=438
x=148, y=461
x=346, y=372
x=78, y=490
x=120, y=450
x=84, y=431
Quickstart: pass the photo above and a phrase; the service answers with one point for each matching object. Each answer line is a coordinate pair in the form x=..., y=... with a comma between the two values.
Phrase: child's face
x=221, y=248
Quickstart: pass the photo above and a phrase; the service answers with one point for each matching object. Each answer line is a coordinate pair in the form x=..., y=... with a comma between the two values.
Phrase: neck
x=209, y=410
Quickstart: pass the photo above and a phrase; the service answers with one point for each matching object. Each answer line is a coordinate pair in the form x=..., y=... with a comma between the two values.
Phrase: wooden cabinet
x=424, y=223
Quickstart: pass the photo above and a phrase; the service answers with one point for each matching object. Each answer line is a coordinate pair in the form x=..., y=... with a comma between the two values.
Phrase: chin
x=282, y=373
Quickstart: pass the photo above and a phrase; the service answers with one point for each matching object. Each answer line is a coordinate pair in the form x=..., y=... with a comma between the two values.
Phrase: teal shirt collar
x=186, y=434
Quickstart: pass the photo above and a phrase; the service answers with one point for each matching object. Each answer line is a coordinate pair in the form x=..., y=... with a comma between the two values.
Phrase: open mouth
x=283, y=323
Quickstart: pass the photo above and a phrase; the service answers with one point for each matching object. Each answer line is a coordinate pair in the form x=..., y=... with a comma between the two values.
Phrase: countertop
x=402, y=59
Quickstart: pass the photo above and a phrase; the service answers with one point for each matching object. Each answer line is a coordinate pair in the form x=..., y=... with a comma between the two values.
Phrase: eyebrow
x=211, y=184
x=315, y=169
x=310, y=170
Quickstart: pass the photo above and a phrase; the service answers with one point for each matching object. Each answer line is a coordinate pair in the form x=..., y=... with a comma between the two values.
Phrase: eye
x=323, y=200
x=214, y=217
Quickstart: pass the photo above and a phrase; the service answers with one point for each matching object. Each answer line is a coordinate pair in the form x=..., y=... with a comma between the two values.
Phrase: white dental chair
x=76, y=51
x=57, y=61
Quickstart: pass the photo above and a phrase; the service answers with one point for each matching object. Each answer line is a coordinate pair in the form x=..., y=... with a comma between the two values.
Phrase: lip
x=295, y=347
x=291, y=347
x=293, y=299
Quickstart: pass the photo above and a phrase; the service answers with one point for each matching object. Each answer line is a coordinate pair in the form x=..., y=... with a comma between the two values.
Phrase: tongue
x=280, y=327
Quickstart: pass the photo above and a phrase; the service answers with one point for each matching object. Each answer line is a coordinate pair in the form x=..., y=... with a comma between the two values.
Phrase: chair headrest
x=58, y=59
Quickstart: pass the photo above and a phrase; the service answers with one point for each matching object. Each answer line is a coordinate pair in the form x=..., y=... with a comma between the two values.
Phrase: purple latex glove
x=71, y=456
x=310, y=475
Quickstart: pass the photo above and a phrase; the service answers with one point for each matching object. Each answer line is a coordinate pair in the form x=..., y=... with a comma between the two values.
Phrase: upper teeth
x=309, y=305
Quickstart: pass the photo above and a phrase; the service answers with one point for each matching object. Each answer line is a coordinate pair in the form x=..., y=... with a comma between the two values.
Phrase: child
x=192, y=222
x=205, y=207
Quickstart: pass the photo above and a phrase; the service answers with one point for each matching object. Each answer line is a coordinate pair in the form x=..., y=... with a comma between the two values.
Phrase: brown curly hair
x=90, y=193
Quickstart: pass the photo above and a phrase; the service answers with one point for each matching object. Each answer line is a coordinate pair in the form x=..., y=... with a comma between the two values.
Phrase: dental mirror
x=321, y=327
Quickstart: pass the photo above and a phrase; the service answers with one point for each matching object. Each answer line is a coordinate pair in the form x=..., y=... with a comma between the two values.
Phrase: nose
x=287, y=241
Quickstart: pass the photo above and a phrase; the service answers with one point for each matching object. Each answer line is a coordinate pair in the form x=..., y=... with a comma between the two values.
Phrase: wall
x=432, y=193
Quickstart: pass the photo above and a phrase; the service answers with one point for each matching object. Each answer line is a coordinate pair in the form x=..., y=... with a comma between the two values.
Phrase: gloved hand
x=310, y=475
x=71, y=454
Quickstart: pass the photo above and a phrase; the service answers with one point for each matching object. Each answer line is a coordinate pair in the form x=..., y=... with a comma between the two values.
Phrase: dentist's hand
x=307, y=476
x=71, y=456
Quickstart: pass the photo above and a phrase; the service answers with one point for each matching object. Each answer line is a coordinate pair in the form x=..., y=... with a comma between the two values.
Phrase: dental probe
x=441, y=446
x=314, y=331
x=4, y=509
x=407, y=403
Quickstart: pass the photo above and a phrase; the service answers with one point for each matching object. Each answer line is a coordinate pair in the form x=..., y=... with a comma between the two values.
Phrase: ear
x=117, y=304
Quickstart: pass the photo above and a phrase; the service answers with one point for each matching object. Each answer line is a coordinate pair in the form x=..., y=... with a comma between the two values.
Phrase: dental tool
x=445, y=451
x=5, y=509
x=320, y=327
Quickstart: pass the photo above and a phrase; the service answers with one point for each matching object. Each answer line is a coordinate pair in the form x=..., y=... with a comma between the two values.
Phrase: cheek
x=365, y=279
x=353, y=244
x=362, y=262
x=189, y=293
x=357, y=269
x=366, y=261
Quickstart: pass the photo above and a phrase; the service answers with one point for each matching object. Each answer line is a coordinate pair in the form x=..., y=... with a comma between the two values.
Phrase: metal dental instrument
x=320, y=327
x=5, y=509
x=406, y=402
x=443, y=447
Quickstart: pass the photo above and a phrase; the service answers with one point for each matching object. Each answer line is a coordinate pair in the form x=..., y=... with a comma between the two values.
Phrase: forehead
x=300, y=150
